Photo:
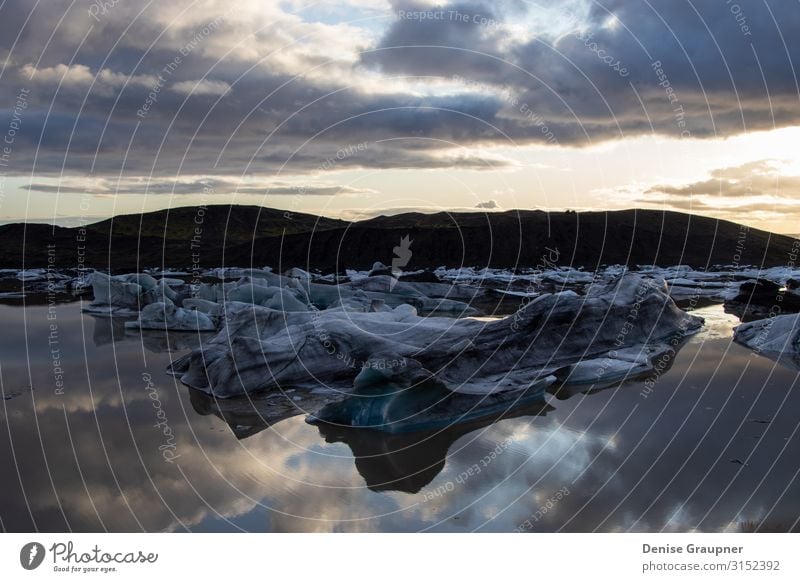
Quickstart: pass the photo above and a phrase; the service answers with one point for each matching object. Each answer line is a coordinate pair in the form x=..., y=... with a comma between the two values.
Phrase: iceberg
x=211, y=308
x=776, y=337
x=127, y=294
x=264, y=295
x=143, y=280
x=162, y=315
x=614, y=366
x=119, y=295
x=261, y=348
x=297, y=273
x=31, y=275
x=160, y=292
x=298, y=293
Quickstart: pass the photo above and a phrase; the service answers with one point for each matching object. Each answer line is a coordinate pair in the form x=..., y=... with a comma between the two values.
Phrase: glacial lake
x=96, y=436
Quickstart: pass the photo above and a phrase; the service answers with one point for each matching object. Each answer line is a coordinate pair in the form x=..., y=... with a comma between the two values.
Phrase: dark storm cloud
x=107, y=97
x=588, y=85
x=434, y=41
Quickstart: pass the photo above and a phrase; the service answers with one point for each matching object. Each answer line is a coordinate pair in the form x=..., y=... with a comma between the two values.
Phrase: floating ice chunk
x=329, y=278
x=360, y=302
x=112, y=294
x=145, y=281
x=125, y=294
x=285, y=301
x=238, y=273
x=777, y=337
x=203, y=306
x=447, y=291
x=621, y=290
x=730, y=293
x=261, y=294
x=297, y=273
x=31, y=275
x=779, y=275
x=568, y=277
x=705, y=283
x=172, y=282
x=679, y=293
x=518, y=293
x=612, y=367
x=379, y=268
x=767, y=293
x=469, y=274
x=168, y=316
x=208, y=292
x=383, y=369
x=262, y=349
x=161, y=292
x=354, y=275
x=384, y=284
x=448, y=306
x=174, y=273
x=389, y=291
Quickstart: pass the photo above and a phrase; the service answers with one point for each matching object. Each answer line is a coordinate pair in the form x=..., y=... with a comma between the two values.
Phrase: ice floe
x=776, y=337
x=115, y=294
x=261, y=348
x=408, y=351
x=162, y=315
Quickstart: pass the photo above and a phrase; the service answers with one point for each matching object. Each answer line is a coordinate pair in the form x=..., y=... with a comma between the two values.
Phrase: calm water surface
x=712, y=445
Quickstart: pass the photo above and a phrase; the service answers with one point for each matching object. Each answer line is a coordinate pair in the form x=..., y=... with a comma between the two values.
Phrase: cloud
x=201, y=87
x=759, y=190
x=201, y=185
x=63, y=74
x=81, y=77
x=303, y=87
x=489, y=204
x=704, y=58
x=757, y=178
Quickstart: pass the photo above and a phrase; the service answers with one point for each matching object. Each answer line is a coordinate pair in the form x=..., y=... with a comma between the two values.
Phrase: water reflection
x=249, y=416
x=108, y=330
x=713, y=444
x=408, y=462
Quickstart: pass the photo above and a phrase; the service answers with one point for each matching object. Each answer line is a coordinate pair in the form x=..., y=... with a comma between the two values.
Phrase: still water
x=95, y=436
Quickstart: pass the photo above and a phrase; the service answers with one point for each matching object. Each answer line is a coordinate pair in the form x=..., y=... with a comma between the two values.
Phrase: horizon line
x=76, y=221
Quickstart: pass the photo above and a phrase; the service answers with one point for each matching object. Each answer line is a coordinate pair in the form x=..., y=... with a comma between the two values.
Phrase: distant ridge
x=230, y=235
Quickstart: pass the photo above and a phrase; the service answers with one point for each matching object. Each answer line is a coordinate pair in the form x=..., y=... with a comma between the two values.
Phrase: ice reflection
x=108, y=330
x=408, y=462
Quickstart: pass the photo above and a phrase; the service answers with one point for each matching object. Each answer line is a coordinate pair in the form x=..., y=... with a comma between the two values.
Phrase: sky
x=354, y=108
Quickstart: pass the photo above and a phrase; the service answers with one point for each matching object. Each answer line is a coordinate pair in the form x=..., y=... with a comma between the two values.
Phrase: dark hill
x=218, y=223
x=249, y=235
